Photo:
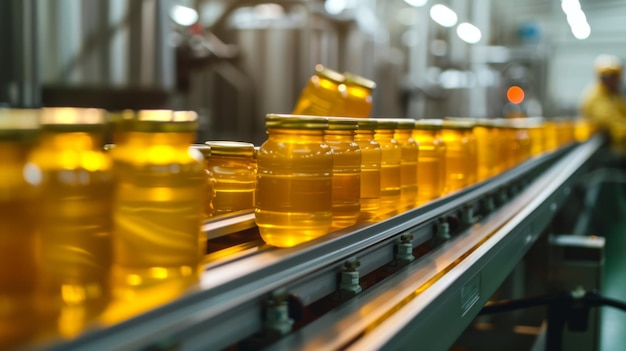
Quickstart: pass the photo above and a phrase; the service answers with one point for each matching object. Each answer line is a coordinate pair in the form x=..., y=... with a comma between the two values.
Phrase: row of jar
x=80, y=226
x=317, y=174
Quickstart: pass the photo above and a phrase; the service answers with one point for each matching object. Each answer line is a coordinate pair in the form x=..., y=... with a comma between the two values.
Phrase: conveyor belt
x=437, y=294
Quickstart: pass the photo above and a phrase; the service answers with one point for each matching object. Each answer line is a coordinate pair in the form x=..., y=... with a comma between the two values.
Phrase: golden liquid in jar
x=358, y=103
x=390, y=172
x=371, y=155
x=19, y=272
x=346, y=183
x=234, y=184
x=536, y=135
x=457, y=159
x=430, y=159
x=320, y=97
x=75, y=225
x=294, y=187
x=408, y=169
x=472, y=161
x=485, y=152
x=525, y=144
x=551, y=140
x=157, y=211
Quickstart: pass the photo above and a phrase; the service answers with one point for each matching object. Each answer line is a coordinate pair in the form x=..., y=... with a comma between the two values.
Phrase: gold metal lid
x=342, y=123
x=458, y=124
x=404, y=123
x=428, y=124
x=286, y=121
x=329, y=74
x=527, y=122
x=19, y=124
x=205, y=150
x=386, y=123
x=72, y=119
x=367, y=123
x=161, y=121
x=231, y=148
x=353, y=79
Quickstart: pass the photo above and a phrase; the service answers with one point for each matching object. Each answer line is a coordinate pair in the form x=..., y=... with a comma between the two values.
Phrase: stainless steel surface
x=19, y=68
x=227, y=304
x=102, y=43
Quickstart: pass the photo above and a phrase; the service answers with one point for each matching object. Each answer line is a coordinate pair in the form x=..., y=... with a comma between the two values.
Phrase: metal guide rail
x=250, y=293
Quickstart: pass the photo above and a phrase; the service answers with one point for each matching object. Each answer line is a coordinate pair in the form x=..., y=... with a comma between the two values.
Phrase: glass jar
x=485, y=137
x=408, y=163
x=522, y=136
x=76, y=220
x=20, y=188
x=346, y=191
x=551, y=139
x=458, y=155
x=323, y=93
x=371, y=155
x=390, y=172
x=157, y=211
x=536, y=134
x=205, y=150
x=431, y=159
x=235, y=179
x=358, y=100
x=294, y=181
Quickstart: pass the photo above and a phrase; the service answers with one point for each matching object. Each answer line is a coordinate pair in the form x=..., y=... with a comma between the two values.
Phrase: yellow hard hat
x=607, y=64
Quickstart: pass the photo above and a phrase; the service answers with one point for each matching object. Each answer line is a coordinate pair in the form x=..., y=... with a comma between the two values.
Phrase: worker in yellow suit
x=603, y=105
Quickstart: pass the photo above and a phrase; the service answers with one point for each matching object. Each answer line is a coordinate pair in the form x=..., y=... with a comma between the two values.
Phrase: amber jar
x=458, y=155
x=75, y=219
x=403, y=134
x=235, y=179
x=485, y=135
x=346, y=192
x=536, y=134
x=323, y=93
x=431, y=159
x=358, y=100
x=371, y=155
x=390, y=171
x=521, y=143
x=207, y=201
x=294, y=181
x=157, y=209
x=20, y=190
x=551, y=139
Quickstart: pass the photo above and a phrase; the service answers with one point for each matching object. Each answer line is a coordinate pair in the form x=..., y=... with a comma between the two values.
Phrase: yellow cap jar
x=75, y=219
x=390, y=174
x=19, y=214
x=346, y=191
x=358, y=100
x=431, y=159
x=235, y=179
x=294, y=181
x=458, y=154
x=408, y=163
x=323, y=93
x=371, y=155
x=205, y=150
x=157, y=210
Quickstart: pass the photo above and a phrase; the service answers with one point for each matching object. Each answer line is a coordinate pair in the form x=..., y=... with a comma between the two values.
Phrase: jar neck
x=364, y=134
x=339, y=135
x=402, y=134
x=75, y=141
x=383, y=134
x=357, y=91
